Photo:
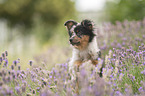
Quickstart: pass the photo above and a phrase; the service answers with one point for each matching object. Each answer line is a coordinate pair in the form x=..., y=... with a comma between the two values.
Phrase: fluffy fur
x=84, y=43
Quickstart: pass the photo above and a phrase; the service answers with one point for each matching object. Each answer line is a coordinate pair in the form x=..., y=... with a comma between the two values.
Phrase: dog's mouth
x=75, y=43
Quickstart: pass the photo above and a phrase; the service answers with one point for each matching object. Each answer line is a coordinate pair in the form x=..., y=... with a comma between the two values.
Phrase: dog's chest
x=85, y=55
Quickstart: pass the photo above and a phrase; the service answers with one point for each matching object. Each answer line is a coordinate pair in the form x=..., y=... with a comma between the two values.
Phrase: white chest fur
x=91, y=52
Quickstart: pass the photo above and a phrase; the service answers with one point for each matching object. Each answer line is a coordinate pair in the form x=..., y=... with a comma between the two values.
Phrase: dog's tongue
x=75, y=46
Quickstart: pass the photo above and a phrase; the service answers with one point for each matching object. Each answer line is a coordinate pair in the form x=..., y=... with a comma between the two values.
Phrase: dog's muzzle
x=74, y=42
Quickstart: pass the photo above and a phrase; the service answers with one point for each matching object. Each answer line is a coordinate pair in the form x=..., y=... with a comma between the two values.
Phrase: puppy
x=84, y=43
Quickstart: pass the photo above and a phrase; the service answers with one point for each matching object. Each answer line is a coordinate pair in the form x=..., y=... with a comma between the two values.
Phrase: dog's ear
x=87, y=24
x=69, y=24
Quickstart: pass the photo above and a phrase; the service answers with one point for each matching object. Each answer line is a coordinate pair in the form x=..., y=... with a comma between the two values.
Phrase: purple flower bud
x=15, y=62
x=0, y=73
x=50, y=76
x=124, y=39
x=10, y=92
x=6, y=53
x=42, y=85
x=18, y=60
x=17, y=88
x=114, y=55
x=33, y=91
x=28, y=94
x=140, y=48
x=12, y=67
x=143, y=36
x=1, y=59
x=133, y=77
x=19, y=67
x=30, y=63
x=8, y=79
x=38, y=89
x=3, y=55
x=23, y=88
x=30, y=89
x=114, y=49
x=143, y=72
x=119, y=45
x=125, y=54
x=6, y=63
x=123, y=43
x=139, y=89
x=1, y=83
x=144, y=63
x=3, y=72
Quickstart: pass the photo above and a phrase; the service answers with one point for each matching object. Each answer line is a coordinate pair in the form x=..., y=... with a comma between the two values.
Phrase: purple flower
x=143, y=36
x=19, y=67
x=1, y=59
x=123, y=43
x=6, y=53
x=144, y=63
x=6, y=63
x=23, y=88
x=143, y=72
x=114, y=55
x=140, y=89
x=17, y=88
x=12, y=67
x=38, y=89
x=124, y=39
x=33, y=91
x=50, y=76
x=133, y=77
x=3, y=55
x=30, y=63
x=15, y=62
x=119, y=45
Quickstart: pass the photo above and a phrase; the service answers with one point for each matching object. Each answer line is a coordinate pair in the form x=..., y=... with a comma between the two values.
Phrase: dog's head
x=81, y=34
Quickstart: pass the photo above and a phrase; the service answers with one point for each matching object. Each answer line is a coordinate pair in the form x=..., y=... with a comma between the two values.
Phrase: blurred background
x=34, y=30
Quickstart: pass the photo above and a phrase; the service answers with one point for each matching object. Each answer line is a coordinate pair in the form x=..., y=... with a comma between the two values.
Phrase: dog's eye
x=79, y=34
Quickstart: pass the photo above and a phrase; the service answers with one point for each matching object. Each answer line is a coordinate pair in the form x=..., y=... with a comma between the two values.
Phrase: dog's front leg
x=95, y=58
x=78, y=63
x=94, y=62
x=74, y=64
x=74, y=67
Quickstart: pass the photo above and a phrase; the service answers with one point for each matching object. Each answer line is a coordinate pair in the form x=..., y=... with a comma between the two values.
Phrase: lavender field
x=123, y=58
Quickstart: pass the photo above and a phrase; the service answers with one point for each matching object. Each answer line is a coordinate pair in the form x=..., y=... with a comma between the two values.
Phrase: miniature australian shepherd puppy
x=84, y=43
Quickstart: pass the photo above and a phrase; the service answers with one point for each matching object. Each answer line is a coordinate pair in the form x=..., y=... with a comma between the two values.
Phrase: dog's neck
x=93, y=46
x=90, y=51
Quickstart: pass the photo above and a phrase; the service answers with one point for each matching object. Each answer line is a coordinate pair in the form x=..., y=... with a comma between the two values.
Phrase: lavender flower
x=15, y=62
x=30, y=63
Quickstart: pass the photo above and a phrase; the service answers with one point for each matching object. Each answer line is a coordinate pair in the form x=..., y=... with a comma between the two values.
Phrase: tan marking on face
x=84, y=40
x=70, y=25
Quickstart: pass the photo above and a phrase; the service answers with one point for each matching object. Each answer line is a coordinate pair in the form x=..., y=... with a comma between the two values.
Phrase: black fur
x=85, y=28
x=81, y=30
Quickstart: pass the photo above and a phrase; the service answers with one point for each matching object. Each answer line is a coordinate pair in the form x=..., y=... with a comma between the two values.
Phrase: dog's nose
x=70, y=40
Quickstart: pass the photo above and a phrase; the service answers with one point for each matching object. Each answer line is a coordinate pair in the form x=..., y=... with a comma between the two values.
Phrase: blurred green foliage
x=40, y=17
x=119, y=10
x=24, y=11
